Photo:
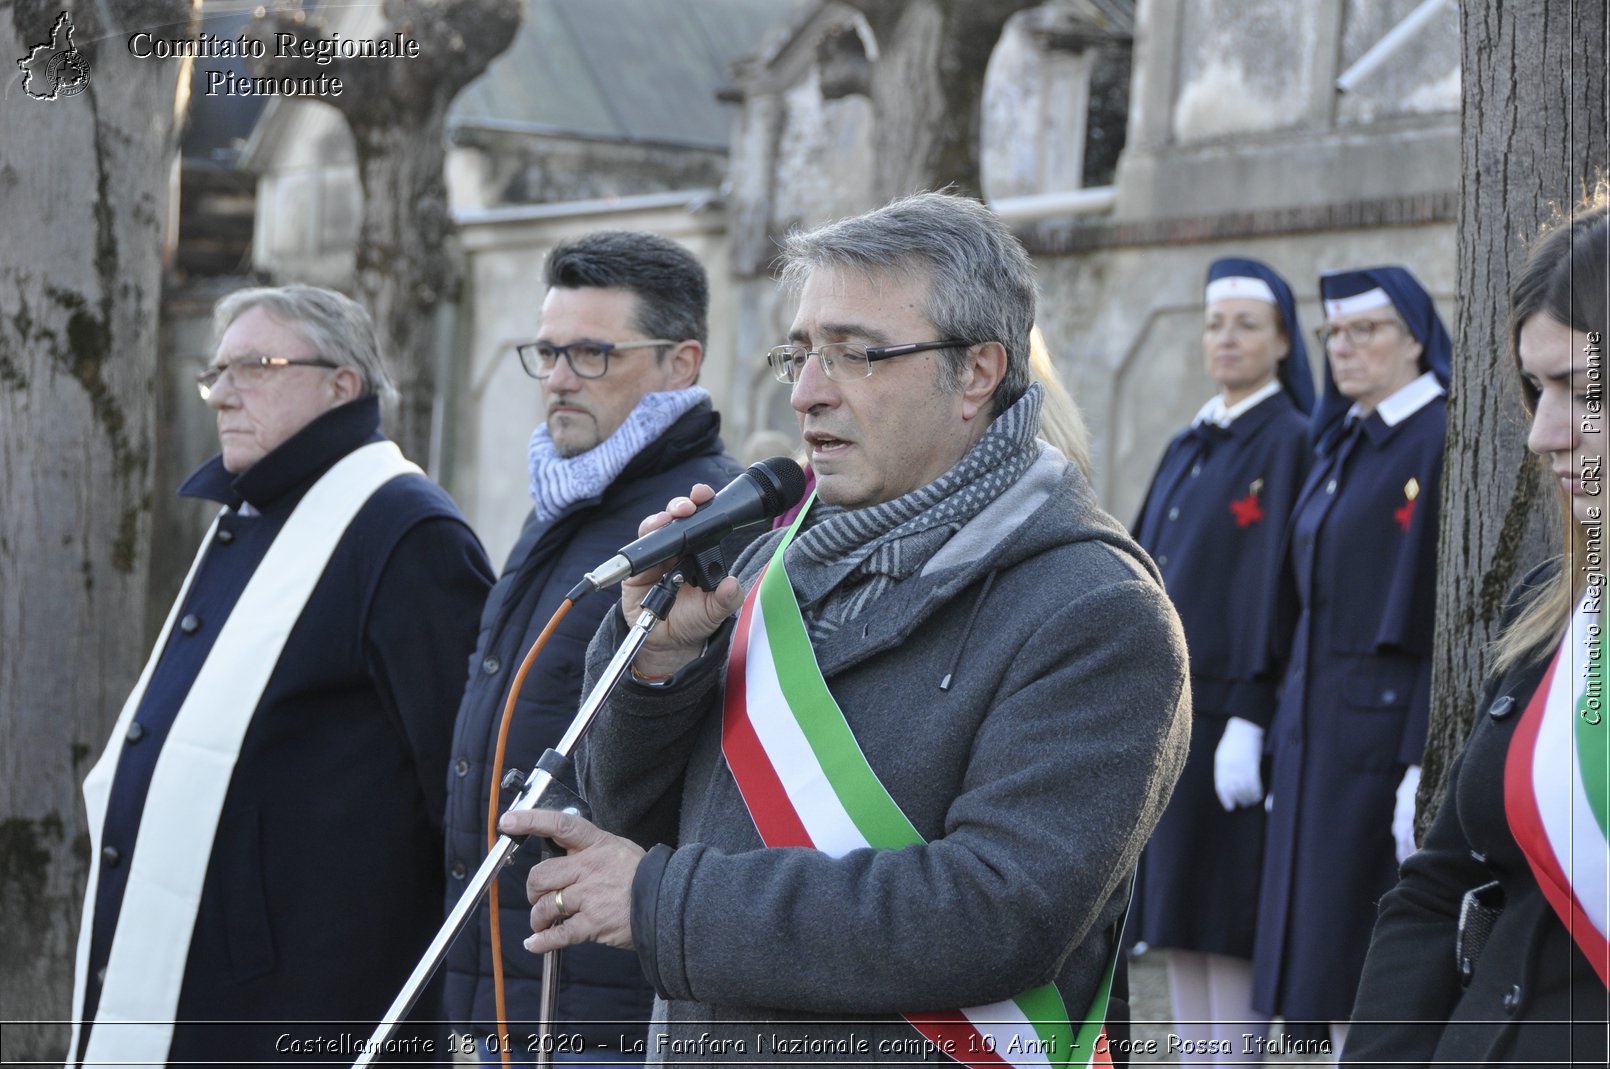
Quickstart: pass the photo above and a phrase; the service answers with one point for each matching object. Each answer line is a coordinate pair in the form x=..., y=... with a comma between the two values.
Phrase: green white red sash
x=1557, y=785
x=806, y=782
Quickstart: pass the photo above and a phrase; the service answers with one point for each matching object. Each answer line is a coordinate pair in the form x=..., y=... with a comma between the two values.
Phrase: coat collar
x=1407, y=400
x=1215, y=411
x=295, y=463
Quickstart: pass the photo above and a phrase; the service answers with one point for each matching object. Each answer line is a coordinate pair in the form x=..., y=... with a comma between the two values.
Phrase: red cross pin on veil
x=1405, y=512
x=1247, y=510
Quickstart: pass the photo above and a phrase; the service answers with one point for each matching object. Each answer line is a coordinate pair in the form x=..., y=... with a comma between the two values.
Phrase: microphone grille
x=781, y=481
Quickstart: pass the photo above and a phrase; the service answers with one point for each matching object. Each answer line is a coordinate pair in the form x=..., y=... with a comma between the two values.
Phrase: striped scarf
x=557, y=482
x=849, y=558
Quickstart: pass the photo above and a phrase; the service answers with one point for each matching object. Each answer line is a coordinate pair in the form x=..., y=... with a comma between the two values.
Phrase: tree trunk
x=83, y=191
x=927, y=89
x=1534, y=137
x=397, y=111
x=404, y=272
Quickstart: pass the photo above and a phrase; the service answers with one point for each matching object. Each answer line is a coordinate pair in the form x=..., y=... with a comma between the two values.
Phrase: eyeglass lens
x=840, y=361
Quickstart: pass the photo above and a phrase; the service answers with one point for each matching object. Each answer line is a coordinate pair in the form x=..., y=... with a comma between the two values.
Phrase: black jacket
x=320, y=892
x=1532, y=997
x=603, y=995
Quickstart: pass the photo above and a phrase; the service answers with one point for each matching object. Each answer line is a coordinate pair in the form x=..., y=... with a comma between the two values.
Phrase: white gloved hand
x=1403, y=813
x=1235, y=764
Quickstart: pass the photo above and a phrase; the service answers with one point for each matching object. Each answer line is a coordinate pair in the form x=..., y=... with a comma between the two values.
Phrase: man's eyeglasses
x=588, y=359
x=1357, y=333
x=842, y=361
x=251, y=371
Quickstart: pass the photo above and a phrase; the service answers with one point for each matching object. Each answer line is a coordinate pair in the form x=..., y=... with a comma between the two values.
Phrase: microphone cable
x=494, y=798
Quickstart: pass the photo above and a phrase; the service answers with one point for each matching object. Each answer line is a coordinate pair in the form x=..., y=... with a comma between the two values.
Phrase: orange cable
x=495, y=795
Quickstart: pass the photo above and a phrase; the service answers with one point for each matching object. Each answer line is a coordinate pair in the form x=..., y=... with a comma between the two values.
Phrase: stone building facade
x=1130, y=144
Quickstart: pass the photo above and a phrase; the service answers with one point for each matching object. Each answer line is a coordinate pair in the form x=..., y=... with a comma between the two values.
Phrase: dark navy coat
x=1361, y=583
x=1213, y=520
x=322, y=889
x=1531, y=979
x=603, y=995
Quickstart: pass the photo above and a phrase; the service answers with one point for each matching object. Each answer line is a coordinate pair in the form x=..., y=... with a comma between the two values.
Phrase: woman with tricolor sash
x=1492, y=948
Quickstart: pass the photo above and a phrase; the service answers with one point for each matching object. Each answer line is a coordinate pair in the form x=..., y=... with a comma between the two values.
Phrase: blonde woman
x=1492, y=947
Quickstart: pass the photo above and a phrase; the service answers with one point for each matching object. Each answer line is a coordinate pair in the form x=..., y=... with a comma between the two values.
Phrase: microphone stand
x=542, y=789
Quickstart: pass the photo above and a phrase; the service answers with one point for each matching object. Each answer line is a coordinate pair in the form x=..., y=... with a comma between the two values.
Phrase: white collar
x=1406, y=400
x=1216, y=412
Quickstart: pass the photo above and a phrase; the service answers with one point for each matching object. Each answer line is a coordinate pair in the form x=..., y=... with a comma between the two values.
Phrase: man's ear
x=345, y=385
x=981, y=375
x=683, y=363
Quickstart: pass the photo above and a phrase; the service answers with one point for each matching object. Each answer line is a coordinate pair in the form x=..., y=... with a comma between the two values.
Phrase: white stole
x=145, y=970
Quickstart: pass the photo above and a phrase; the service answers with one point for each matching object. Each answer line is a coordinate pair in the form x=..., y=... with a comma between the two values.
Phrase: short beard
x=565, y=450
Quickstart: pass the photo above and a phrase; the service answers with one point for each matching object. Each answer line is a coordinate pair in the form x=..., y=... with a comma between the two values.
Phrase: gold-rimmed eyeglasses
x=248, y=372
x=1358, y=332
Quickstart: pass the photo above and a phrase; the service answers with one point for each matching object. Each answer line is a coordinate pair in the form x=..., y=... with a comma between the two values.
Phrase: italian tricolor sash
x=806, y=782
x=1556, y=783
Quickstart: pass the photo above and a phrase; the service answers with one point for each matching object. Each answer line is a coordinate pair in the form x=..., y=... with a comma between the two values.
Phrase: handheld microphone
x=763, y=492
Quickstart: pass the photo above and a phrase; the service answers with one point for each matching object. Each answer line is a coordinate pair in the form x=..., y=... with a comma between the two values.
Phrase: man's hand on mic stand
x=681, y=638
x=592, y=881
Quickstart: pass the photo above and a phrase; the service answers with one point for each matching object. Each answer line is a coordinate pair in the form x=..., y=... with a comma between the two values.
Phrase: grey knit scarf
x=846, y=559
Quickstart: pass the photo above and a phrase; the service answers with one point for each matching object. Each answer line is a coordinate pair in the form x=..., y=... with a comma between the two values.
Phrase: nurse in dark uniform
x=1492, y=949
x=1213, y=521
x=1350, y=726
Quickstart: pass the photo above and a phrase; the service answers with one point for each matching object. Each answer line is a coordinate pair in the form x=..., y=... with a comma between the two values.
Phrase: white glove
x=1235, y=764
x=1403, y=813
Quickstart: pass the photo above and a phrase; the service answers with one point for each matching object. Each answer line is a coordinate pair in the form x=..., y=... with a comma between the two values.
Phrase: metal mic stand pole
x=656, y=605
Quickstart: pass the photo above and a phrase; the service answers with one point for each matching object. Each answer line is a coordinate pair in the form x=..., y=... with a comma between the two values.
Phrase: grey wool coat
x=1035, y=775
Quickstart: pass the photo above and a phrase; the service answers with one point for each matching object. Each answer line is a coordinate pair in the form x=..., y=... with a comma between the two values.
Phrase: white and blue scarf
x=558, y=482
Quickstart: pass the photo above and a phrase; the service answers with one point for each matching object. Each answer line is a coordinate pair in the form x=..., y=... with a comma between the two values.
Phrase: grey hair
x=980, y=280
x=337, y=327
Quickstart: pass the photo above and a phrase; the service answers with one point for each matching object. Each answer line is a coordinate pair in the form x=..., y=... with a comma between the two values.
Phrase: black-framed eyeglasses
x=588, y=359
x=251, y=371
x=842, y=361
x=1359, y=332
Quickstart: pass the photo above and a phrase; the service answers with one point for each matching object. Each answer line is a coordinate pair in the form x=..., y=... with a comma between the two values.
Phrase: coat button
x=1196, y=469
x=1501, y=707
x=225, y=535
x=190, y=624
x=110, y=856
x=136, y=733
x=461, y=766
x=1163, y=560
x=1512, y=1000
x=1389, y=696
x=1174, y=513
x=490, y=666
x=459, y=870
x=1330, y=487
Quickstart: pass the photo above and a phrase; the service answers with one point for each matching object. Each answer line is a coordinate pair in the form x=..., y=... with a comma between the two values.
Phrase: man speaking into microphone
x=878, y=797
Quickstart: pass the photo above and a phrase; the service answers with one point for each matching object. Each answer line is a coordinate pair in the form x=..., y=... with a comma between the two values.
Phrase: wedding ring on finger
x=559, y=906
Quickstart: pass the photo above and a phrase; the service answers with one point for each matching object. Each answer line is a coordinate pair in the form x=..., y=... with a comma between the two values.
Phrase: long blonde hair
x=1564, y=277
x=1061, y=422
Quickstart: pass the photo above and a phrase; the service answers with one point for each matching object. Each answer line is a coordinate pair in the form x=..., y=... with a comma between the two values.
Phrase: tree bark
x=927, y=88
x=1534, y=138
x=83, y=195
x=397, y=111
